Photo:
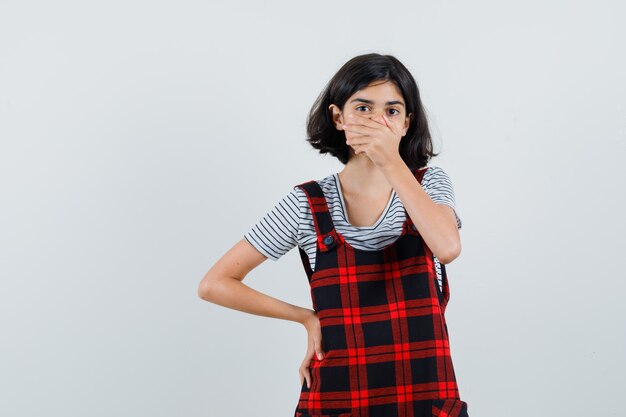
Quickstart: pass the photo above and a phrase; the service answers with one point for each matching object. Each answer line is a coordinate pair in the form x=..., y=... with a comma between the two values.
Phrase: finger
x=304, y=367
x=359, y=148
x=357, y=119
x=358, y=140
x=386, y=121
x=390, y=125
x=359, y=129
x=305, y=375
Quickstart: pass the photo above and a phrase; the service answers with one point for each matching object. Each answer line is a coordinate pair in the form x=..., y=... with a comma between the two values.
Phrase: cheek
x=397, y=123
x=401, y=122
x=348, y=112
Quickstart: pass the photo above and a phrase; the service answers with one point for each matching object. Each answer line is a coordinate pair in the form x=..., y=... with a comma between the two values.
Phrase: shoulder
x=276, y=232
x=438, y=185
x=437, y=179
x=434, y=174
x=328, y=185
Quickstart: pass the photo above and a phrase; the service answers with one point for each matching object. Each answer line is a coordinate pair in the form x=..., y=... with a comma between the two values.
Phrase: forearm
x=233, y=293
x=439, y=233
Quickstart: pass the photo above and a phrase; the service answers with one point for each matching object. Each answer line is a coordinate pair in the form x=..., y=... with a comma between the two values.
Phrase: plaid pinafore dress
x=384, y=335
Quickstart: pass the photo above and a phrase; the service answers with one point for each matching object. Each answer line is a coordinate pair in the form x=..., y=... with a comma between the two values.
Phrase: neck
x=361, y=177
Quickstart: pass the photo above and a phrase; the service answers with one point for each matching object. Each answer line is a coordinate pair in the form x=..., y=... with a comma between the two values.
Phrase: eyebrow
x=389, y=103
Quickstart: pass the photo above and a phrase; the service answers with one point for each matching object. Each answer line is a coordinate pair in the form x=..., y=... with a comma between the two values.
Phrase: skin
x=373, y=131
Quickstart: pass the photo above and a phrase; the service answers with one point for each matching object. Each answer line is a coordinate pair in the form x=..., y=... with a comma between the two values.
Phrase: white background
x=140, y=140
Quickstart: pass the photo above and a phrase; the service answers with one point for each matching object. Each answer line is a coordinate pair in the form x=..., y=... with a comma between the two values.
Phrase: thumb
x=389, y=124
x=318, y=350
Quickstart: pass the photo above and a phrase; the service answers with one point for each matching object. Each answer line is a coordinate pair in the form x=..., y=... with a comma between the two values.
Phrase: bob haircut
x=416, y=146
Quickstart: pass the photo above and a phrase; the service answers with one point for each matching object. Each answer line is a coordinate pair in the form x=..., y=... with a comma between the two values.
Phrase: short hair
x=416, y=147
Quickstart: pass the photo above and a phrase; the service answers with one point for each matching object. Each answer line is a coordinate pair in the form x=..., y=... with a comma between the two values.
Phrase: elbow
x=450, y=254
x=205, y=289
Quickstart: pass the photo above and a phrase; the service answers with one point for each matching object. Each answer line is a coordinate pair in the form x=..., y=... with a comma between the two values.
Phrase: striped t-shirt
x=290, y=222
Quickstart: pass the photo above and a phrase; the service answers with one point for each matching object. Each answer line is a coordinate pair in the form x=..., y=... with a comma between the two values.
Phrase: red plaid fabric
x=384, y=333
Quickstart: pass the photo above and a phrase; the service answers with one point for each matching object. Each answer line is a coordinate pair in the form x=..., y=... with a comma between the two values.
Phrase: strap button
x=328, y=240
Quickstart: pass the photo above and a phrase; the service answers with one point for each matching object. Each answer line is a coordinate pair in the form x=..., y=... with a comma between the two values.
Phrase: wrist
x=394, y=167
x=306, y=316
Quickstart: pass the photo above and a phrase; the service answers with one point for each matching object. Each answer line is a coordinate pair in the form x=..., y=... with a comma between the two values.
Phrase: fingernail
x=319, y=356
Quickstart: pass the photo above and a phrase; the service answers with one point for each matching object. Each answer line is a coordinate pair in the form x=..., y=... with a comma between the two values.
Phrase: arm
x=435, y=222
x=223, y=285
x=379, y=139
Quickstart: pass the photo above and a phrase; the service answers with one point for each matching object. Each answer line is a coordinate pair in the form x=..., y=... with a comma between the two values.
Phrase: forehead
x=383, y=89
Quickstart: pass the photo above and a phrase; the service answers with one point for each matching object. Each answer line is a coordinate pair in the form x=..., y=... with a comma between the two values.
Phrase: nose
x=377, y=115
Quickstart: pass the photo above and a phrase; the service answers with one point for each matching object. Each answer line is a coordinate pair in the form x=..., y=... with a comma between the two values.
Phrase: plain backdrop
x=141, y=139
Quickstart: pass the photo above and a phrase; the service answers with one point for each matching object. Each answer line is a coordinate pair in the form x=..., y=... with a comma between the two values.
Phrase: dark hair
x=416, y=146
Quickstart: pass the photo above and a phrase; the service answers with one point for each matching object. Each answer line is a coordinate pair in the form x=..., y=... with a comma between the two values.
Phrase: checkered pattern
x=384, y=333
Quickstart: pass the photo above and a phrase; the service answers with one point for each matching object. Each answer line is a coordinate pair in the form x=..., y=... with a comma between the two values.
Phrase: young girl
x=374, y=239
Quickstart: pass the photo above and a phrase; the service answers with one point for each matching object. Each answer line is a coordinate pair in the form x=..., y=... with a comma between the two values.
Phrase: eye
x=396, y=111
x=362, y=106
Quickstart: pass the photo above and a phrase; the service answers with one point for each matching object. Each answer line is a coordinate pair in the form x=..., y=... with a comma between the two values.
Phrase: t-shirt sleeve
x=438, y=185
x=276, y=233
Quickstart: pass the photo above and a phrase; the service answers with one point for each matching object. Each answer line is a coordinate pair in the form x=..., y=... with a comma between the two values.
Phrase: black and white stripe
x=290, y=222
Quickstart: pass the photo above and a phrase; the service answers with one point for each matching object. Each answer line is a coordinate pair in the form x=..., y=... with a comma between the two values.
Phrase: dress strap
x=327, y=236
x=445, y=287
x=419, y=174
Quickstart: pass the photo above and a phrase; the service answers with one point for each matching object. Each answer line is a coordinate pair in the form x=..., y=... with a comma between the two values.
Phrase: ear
x=407, y=124
x=336, y=116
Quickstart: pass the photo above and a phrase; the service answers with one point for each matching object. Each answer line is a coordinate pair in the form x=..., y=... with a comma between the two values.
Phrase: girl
x=374, y=239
